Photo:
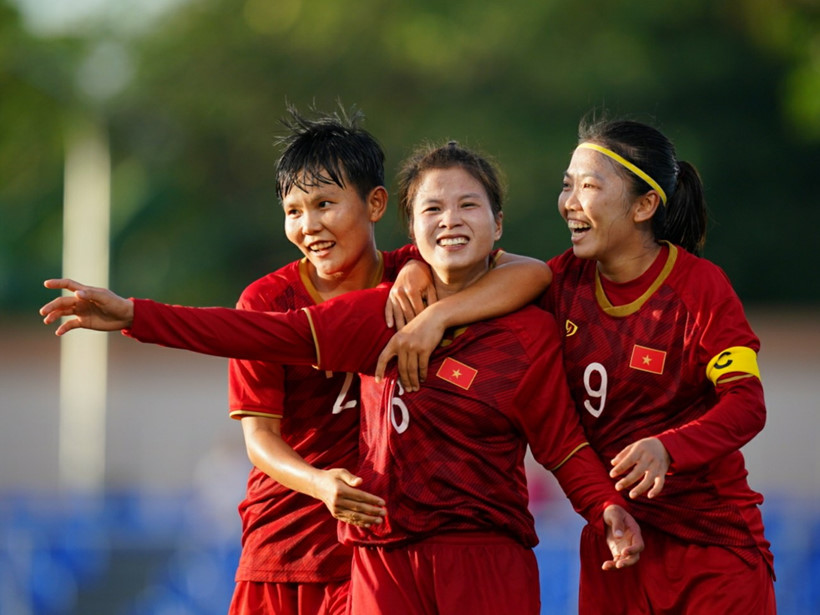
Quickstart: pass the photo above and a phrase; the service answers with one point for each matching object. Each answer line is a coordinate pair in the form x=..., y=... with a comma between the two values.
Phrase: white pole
x=84, y=354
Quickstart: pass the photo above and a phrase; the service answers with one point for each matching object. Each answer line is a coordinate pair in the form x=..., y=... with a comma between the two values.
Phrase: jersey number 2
x=340, y=404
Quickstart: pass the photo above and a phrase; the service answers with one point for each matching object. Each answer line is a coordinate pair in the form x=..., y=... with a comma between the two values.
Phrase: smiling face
x=454, y=226
x=334, y=228
x=599, y=210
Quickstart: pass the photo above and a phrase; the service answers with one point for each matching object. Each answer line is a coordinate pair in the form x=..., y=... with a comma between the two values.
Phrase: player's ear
x=377, y=203
x=646, y=206
x=499, y=226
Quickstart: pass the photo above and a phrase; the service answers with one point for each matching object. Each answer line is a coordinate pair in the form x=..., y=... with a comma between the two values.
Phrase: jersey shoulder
x=280, y=290
x=533, y=327
x=699, y=281
x=562, y=261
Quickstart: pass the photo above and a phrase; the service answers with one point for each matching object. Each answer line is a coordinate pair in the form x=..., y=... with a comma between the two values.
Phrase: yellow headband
x=628, y=165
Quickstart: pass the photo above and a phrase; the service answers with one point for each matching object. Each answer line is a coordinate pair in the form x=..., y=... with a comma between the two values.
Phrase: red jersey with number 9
x=678, y=363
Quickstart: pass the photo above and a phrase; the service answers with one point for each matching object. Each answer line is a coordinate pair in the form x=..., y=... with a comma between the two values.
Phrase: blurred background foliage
x=191, y=93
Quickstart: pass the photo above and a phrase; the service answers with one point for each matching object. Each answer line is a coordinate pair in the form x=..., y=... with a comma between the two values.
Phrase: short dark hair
x=428, y=156
x=328, y=148
x=683, y=220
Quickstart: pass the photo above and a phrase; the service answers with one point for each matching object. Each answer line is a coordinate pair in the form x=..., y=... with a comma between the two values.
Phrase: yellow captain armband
x=738, y=360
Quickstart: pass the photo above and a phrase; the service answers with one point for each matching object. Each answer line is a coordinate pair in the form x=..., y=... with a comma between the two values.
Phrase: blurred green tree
x=195, y=219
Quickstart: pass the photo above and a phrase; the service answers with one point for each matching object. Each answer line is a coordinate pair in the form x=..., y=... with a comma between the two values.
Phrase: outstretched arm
x=514, y=282
x=93, y=308
x=284, y=337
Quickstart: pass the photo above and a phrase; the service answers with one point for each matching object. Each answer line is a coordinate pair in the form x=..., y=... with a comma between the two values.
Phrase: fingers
x=424, y=361
x=358, y=507
x=406, y=305
x=62, y=306
x=64, y=283
x=651, y=485
x=67, y=326
x=409, y=371
x=417, y=305
x=387, y=354
x=393, y=312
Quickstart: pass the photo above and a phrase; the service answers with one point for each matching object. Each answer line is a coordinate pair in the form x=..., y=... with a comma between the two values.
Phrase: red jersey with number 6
x=450, y=457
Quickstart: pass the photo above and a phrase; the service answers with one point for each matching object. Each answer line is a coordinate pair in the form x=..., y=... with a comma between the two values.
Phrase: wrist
x=441, y=314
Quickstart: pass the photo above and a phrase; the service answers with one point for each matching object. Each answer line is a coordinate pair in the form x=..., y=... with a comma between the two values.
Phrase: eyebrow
x=467, y=195
x=583, y=173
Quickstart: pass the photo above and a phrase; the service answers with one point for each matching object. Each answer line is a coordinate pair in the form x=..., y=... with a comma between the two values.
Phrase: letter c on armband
x=738, y=360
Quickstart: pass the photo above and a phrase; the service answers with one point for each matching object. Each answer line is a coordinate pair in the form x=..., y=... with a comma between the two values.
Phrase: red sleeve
x=739, y=411
x=256, y=387
x=546, y=414
x=350, y=331
x=736, y=418
x=588, y=487
x=281, y=337
x=396, y=259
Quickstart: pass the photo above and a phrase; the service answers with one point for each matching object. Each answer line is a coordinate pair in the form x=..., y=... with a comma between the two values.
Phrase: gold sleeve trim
x=734, y=360
x=733, y=378
x=238, y=414
x=565, y=459
x=315, y=338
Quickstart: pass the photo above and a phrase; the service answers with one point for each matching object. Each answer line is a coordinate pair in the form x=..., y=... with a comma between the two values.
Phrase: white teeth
x=452, y=241
x=577, y=225
x=320, y=245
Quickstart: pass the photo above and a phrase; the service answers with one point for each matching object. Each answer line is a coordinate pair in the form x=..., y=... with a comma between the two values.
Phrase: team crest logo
x=457, y=373
x=647, y=359
x=570, y=328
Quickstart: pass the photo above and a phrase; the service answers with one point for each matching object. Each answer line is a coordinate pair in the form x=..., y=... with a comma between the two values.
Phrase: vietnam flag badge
x=457, y=373
x=647, y=359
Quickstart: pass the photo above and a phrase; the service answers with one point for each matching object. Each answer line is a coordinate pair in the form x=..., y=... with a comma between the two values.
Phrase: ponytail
x=683, y=220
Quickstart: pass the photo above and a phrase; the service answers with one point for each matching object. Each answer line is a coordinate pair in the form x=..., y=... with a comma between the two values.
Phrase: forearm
x=265, y=336
x=732, y=422
x=513, y=283
x=273, y=456
x=587, y=486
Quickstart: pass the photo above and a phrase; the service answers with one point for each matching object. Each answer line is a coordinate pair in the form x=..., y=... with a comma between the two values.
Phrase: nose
x=568, y=201
x=311, y=222
x=450, y=217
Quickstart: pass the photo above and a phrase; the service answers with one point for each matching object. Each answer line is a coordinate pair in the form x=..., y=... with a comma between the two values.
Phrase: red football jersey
x=450, y=457
x=288, y=536
x=492, y=388
x=662, y=366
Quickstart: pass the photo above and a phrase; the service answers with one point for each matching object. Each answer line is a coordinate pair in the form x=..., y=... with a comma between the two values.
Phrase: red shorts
x=672, y=576
x=251, y=598
x=453, y=574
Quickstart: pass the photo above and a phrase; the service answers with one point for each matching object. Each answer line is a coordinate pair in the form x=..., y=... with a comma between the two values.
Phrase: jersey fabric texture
x=288, y=536
x=470, y=476
x=455, y=574
x=673, y=577
x=640, y=370
x=450, y=457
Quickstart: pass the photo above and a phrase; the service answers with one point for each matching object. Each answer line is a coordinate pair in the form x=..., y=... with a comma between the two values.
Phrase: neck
x=361, y=276
x=630, y=263
x=449, y=283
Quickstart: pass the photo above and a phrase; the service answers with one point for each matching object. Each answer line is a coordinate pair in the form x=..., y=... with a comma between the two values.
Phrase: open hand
x=93, y=308
x=644, y=462
x=623, y=537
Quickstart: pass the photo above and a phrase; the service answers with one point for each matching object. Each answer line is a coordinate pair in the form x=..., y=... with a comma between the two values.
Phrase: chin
x=580, y=252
